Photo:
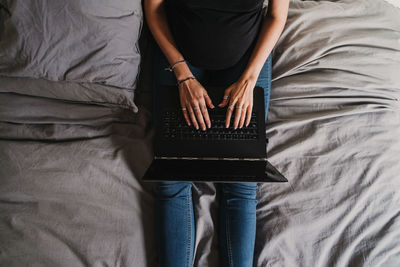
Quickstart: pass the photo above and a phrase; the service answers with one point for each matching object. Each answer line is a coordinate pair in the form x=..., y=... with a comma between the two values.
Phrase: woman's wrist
x=251, y=72
x=251, y=76
x=182, y=71
x=184, y=80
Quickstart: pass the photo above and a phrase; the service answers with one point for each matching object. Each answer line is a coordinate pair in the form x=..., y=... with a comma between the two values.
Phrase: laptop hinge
x=211, y=158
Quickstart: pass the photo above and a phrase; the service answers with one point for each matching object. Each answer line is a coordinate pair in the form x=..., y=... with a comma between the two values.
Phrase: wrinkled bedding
x=71, y=49
x=70, y=188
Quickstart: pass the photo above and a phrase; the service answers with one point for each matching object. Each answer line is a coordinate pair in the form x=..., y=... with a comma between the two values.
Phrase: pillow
x=396, y=3
x=90, y=42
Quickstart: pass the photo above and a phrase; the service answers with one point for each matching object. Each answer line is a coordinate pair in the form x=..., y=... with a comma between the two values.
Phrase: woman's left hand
x=240, y=98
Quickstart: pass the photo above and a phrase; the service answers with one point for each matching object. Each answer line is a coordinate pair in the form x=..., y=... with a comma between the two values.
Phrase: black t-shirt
x=214, y=34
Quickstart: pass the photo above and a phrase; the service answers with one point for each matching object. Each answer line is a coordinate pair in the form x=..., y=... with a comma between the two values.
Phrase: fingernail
x=197, y=127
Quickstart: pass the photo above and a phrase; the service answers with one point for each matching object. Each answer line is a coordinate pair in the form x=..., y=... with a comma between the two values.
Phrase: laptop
x=218, y=154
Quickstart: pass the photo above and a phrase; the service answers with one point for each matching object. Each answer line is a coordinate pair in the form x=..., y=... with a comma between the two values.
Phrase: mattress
x=71, y=192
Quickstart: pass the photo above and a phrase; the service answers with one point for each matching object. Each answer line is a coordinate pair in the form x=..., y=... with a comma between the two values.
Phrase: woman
x=226, y=43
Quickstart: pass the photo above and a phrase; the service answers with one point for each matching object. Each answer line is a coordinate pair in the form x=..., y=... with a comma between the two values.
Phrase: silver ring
x=230, y=107
x=226, y=97
x=183, y=109
x=238, y=107
x=196, y=108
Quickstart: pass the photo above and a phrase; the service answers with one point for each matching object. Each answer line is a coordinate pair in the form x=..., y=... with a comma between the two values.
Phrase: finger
x=242, y=117
x=193, y=117
x=248, y=114
x=229, y=112
x=206, y=117
x=208, y=101
x=186, y=116
x=184, y=109
x=238, y=112
x=224, y=102
x=225, y=98
x=199, y=116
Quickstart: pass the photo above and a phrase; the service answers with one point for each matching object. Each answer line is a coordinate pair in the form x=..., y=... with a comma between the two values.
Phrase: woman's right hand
x=194, y=101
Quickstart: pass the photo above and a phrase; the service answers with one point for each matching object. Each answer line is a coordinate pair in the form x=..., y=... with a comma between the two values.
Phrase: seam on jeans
x=189, y=239
x=228, y=237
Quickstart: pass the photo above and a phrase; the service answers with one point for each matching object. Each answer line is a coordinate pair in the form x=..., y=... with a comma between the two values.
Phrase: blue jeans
x=175, y=216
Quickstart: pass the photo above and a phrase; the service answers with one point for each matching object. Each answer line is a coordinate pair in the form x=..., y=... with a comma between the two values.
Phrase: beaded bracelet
x=184, y=80
x=171, y=68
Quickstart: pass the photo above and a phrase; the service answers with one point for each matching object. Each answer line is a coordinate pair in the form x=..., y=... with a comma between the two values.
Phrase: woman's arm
x=158, y=25
x=193, y=97
x=271, y=30
x=240, y=94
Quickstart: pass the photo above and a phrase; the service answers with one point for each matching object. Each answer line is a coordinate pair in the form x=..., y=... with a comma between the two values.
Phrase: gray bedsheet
x=70, y=189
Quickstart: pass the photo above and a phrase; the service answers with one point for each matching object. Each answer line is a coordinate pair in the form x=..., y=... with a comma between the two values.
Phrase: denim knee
x=174, y=189
x=240, y=190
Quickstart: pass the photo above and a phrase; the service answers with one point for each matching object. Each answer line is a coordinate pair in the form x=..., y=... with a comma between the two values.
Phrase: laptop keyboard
x=175, y=128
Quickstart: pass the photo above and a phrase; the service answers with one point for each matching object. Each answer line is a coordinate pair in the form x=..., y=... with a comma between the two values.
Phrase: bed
x=76, y=139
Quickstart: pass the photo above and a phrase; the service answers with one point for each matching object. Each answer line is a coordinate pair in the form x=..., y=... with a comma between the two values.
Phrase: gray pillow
x=79, y=41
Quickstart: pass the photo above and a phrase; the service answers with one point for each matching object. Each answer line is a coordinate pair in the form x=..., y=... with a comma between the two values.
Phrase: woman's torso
x=214, y=34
